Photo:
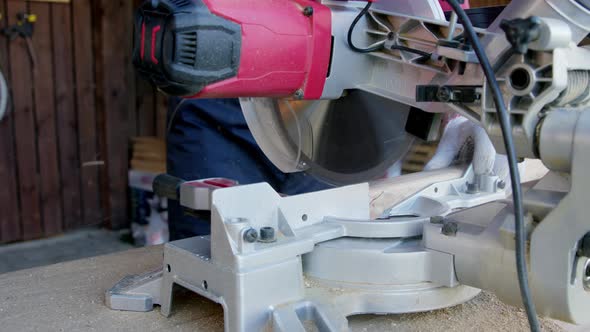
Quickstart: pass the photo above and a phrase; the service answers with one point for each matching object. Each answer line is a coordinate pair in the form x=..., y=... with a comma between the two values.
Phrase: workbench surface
x=70, y=297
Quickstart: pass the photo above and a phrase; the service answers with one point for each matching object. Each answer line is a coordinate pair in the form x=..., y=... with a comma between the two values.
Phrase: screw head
x=250, y=235
x=299, y=94
x=450, y=228
x=308, y=11
x=267, y=235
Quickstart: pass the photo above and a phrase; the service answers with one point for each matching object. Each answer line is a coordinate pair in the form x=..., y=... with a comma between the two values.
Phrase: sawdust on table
x=484, y=313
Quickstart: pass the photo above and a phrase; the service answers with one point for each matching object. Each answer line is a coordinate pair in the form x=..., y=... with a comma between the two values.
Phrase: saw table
x=70, y=297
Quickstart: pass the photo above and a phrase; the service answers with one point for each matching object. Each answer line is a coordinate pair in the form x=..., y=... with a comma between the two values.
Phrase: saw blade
x=352, y=139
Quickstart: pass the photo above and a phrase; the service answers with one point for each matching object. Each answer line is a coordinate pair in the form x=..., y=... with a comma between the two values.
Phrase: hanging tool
x=24, y=28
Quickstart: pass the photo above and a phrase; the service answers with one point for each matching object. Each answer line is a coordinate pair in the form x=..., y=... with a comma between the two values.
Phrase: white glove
x=464, y=141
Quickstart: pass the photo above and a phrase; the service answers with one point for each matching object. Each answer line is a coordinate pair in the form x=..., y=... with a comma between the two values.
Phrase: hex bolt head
x=450, y=228
x=267, y=235
x=308, y=11
x=250, y=235
x=299, y=94
x=437, y=220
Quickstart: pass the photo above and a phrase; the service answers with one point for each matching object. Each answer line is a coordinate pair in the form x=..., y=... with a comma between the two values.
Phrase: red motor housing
x=234, y=48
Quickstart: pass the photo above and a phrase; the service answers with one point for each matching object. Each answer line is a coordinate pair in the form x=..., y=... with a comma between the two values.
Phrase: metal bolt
x=250, y=235
x=437, y=220
x=308, y=11
x=267, y=235
x=299, y=94
x=501, y=184
x=450, y=229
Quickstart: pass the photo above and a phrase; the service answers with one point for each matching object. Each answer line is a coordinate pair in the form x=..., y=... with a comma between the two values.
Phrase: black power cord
x=424, y=55
x=504, y=118
x=351, y=30
x=411, y=50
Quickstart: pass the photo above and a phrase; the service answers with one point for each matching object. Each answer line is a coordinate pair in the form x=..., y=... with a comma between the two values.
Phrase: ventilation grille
x=187, y=48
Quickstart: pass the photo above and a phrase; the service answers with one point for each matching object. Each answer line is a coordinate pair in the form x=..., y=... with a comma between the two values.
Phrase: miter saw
x=339, y=89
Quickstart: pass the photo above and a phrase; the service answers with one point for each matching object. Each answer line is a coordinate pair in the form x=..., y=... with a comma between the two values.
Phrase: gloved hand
x=464, y=141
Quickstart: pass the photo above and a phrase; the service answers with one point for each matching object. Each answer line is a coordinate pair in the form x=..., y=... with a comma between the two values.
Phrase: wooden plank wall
x=113, y=31
x=73, y=107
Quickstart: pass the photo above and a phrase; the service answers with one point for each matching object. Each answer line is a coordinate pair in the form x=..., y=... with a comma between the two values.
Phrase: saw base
x=280, y=296
x=328, y=260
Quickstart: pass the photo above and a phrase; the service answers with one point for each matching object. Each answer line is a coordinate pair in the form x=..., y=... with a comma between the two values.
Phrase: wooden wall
x=64, y=142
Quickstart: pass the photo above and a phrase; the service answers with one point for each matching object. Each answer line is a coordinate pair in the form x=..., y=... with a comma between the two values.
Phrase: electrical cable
x=504, y=118
x=173, y=115
x=411, y=50
x=379, y=46
x=351, y=30
x=299, y=134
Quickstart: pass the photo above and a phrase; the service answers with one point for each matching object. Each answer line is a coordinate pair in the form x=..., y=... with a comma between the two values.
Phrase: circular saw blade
x=352, y=139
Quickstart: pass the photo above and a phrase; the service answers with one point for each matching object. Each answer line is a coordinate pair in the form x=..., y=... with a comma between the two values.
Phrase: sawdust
x=310, y=282
x=484, y=313
x=70, y=297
